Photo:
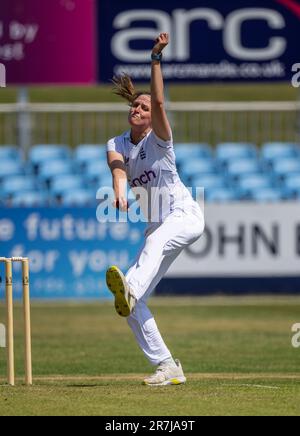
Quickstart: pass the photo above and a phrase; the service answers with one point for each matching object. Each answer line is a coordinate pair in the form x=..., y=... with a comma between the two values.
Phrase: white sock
x=169, y=361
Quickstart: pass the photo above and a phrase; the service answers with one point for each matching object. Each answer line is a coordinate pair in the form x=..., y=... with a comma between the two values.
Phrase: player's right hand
x=121, y=203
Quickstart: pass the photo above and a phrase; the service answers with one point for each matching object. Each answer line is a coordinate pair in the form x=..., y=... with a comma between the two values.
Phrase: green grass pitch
x=236, y=353
x=175, y=92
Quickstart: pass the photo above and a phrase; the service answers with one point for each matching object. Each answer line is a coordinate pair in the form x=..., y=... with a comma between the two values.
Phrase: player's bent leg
x=166, y=374
x=148, y=337
x=124, y=297
x=168, y=240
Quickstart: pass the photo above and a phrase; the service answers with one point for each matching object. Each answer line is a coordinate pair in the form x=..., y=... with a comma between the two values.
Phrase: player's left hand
x=160, y=43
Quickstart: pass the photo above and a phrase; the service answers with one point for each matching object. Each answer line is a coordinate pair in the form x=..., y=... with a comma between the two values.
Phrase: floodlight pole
x=24, y=121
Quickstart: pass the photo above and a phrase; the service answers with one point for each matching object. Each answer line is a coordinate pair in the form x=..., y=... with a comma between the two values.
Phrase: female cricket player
x=144, y=156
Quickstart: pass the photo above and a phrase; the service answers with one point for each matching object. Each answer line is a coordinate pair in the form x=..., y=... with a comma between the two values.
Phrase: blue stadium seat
x=272, y=151
x=241, y=167
x=9, y=152
x=30, y=199
x=102, y=182
x=292, y=183
x=187, y=151
x=54, y=168
x=211, y=181
x=235, y=174
x=266, y=195
x=46, y=152
x=249, y=184
x=286, y=166
x=79, y=197
x=296, y=194
x=197, y=167
x=10, y=168
x=227, y=151
x=220, y=195
x=63, y=184
x=17, y=184
x=290, y=194
x=86, y=153
x=96, y=169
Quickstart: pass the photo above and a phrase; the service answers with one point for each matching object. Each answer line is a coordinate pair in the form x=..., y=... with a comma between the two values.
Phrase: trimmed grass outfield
x=187, y=92
x=236, y=353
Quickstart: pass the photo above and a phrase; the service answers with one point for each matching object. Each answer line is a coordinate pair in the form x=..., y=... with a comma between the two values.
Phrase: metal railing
x=210, y=122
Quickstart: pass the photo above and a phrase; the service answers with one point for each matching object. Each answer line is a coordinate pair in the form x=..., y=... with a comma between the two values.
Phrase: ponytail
x=125, y=88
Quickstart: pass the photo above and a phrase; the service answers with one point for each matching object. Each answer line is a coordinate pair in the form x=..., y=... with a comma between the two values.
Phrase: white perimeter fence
x=210, y=122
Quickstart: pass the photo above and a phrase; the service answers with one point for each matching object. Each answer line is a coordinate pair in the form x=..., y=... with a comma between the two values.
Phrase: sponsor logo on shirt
x=144, y=179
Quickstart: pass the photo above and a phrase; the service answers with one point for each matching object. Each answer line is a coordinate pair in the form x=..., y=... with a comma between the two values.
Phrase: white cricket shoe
x=166, y=374
x=117, y=284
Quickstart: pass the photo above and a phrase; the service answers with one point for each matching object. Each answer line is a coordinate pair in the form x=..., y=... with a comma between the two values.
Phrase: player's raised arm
x=160, y=123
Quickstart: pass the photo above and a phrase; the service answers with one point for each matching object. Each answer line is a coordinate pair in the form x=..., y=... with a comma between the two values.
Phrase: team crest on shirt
x=142, y=154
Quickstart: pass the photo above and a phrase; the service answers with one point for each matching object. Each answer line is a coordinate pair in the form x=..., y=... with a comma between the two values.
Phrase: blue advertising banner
x=211, y=40
x=245, y=248
x=69, y=250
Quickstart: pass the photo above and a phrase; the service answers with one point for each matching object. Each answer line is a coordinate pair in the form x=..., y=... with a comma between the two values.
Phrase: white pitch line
x=260, y=386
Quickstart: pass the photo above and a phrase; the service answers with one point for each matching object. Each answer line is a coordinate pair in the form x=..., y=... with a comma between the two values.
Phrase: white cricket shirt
x=151, y=170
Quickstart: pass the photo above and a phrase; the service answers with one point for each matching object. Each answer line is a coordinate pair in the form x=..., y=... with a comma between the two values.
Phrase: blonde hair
x=125, y=88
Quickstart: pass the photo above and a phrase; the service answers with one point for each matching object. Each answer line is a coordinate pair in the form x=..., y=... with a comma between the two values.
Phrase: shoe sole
x=116, y=283
x=171, y=382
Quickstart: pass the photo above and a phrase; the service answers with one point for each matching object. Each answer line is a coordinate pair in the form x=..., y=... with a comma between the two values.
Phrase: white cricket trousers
x=163, y=243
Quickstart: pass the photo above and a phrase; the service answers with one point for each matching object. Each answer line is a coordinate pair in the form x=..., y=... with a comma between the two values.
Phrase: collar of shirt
x=128, y=137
